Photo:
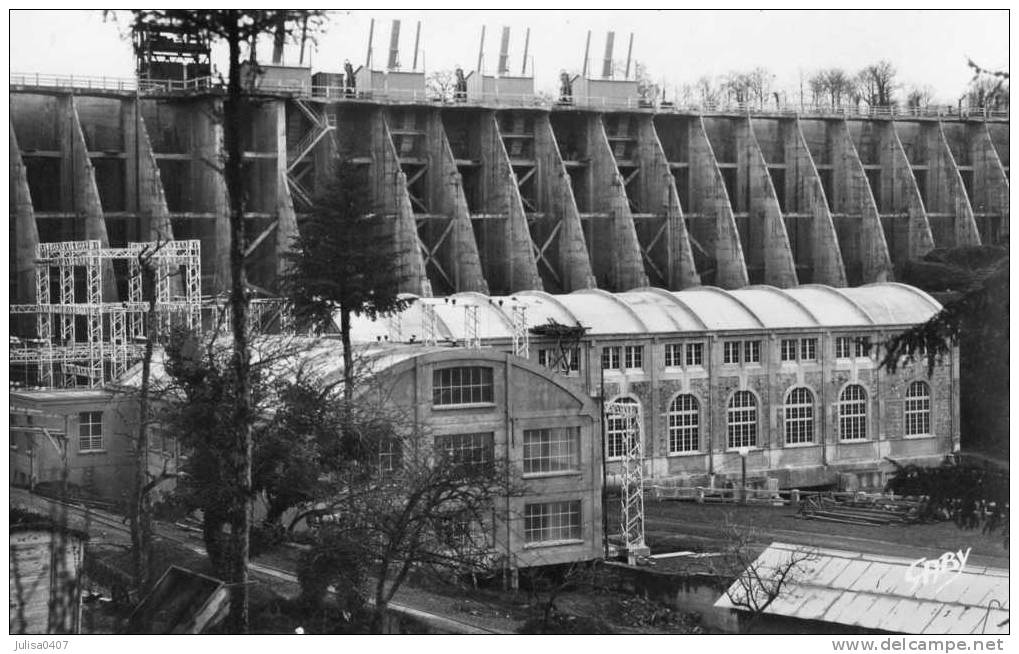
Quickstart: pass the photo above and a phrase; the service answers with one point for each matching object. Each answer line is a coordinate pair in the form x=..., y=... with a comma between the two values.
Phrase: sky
x=928, y=47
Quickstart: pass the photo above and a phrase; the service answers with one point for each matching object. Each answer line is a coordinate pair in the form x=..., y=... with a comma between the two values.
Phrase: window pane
x=752, y=352
x=853, y=413
x=918, y=409
x=684, y=424
x=551, y=450
x=90, y=431
x=788, y=349
x=695, y=354
x=731, y=352
x=474, y=452
x=742, y=419
x=808, y=349
x=466, y=385
x=553, y=521
x=799, y=416
x=673, y=355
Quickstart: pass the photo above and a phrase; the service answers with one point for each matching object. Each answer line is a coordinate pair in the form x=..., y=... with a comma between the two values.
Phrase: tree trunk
x=240, y=517
x=141, y=507
x=348, y=356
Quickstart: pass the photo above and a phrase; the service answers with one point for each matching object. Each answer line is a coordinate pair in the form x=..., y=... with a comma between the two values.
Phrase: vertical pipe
x=504, y=52
x=606, y=71
x=481, y=49
x=417, y=40
x=394, y=46
x=527, y=43
x=629, y=53
x=587, y=50
x=368, y=57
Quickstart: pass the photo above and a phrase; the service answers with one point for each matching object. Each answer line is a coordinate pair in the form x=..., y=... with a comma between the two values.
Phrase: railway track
x=90, y=516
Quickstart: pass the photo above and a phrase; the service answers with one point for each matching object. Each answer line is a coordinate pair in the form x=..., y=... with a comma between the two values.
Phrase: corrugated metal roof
x=657, y=311
x=882, y=593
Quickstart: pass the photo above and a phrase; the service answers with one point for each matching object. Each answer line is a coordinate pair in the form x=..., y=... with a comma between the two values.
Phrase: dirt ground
x=672, y=525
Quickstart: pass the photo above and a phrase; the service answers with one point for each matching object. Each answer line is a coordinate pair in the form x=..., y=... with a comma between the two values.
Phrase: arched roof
x=657, y=311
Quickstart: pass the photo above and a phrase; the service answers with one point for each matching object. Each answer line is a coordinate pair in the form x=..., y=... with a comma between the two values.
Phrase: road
x=686, y=525
x=109, y=528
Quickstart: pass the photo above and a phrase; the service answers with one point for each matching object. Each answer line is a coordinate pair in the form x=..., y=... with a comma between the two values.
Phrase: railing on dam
x=298, y=88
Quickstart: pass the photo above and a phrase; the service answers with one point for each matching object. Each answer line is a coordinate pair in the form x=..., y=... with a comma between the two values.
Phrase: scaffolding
x=112, y=329
x=627, y=416
x=521, y=337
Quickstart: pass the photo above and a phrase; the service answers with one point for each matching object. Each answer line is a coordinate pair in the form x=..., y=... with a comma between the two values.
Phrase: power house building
x=788, y=378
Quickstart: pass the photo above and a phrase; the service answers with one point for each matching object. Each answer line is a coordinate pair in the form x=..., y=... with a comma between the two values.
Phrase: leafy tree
x=974, y=317
x=293, y=441
x=440, y=84
x=919, y=97
x=877, y=83
x=988, y=88
x=239, y=29
x=404, y=505
x=343, y=261
x=971, y=495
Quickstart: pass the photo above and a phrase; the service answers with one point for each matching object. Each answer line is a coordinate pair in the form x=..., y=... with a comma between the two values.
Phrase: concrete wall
x=25, y=235
x=990, y=186
x=765, y=242
x=612, y=243
x=654, y=386
x=909, y=235
x=687, y=199
x=524, y=397
x=673, y=256
x=510, y=262
x=817, y=252
x=556, y=198
x=107, y=473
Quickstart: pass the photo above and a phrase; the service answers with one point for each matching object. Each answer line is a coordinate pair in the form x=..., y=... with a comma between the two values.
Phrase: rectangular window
x=551, y=522
x=808, y=349
x=842, y=344
x=673, y=355
x=751, y=352
x=466, y=385
x=389, y=456
x=789, y=349
x=90, y=431
x=731, y=352
x=634, y=357
x=555, y=449
x=472, y=451
x=610, y=358
x=562, y=361
x=695, y=354
x=862, y=347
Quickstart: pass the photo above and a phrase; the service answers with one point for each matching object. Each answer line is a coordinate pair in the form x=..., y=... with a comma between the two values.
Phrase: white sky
x=929, y=47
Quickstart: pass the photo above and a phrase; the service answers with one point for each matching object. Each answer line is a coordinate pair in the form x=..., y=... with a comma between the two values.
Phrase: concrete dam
x=498, y=190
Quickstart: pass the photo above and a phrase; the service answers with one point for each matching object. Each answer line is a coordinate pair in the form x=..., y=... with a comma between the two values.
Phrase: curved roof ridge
x=924, y=295
x=676, y=301
x=613, y=296
x=545, y=295
x=721, y=291
x=438, y=319
x=490, y=301
x=853, y=303
x=791, y=298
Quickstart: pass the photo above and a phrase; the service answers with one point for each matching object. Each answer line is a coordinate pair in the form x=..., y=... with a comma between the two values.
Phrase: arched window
x=742, y=420
x=918, y=409
x=684, y=424
x=799, y=416
x=853, y=413
x=615, y=437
